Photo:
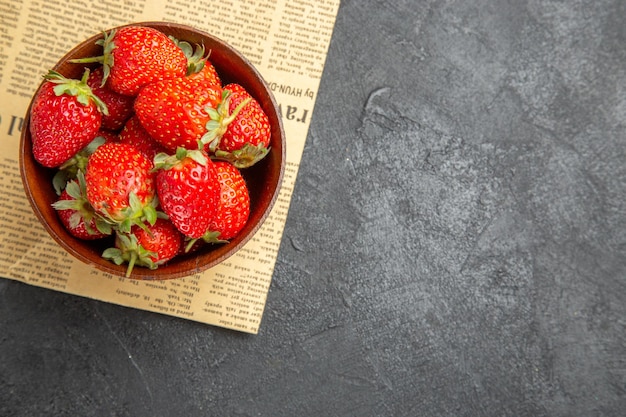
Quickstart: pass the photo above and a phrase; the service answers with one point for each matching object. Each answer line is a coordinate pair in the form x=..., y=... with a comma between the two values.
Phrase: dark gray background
x=456, y=244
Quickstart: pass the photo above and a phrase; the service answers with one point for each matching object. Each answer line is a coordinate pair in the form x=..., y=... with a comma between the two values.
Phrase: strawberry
x=120, y=185
x=134, y=56
x=134, y=134
x=234, y=207
x=65, y=116
x=174, y=111
x=120, y=106
x=251, y=124
x=188, y=190
x=76, y=213
x=148, y=246
x=244, y=130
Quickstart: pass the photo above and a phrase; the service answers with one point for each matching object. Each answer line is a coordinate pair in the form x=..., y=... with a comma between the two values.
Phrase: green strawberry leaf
x=113, y=254
x=76, y=88
x=130, y=251
x=59, y=180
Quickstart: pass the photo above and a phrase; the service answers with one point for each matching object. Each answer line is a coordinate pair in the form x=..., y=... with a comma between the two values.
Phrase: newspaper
x=287, y=40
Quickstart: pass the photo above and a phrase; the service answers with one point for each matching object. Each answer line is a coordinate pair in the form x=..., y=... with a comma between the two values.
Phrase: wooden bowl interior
x=263, y=179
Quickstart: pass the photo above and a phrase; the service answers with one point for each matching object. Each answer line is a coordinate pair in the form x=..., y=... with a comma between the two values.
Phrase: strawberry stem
x=190, y=244
x=131, y=263
x=209, y=236
x=128, y=249
x=106, y=59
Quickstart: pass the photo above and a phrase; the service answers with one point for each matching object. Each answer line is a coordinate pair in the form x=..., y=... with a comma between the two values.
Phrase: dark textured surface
x=456, y=244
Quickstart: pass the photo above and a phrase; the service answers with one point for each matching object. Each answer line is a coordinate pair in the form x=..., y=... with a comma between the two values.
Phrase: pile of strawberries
x=148, y=146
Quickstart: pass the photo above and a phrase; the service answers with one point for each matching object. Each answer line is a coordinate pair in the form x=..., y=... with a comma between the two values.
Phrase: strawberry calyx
x=195, y=56
x=128, y=249
x=245, y=157
x=136, y=214
x=76, y=88
x=209, y=237
x=165, y=161
x=220, y=118
x=106, y=59
x=70, y=168
x=77, y=189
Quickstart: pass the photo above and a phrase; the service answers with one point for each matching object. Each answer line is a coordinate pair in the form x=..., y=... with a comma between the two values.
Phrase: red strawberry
x=120, y=185
x=234, y=207
x=134, y=134
x=188, y=190
x=76, y=213
x=174, y=111
x=135, y=56
x=148, y=246
x=65, y=116
x=251, y=124
x=120, y=106
x=245, y=129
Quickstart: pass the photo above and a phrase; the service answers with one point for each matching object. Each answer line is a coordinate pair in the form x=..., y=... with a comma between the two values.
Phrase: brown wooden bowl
x=263, y=179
